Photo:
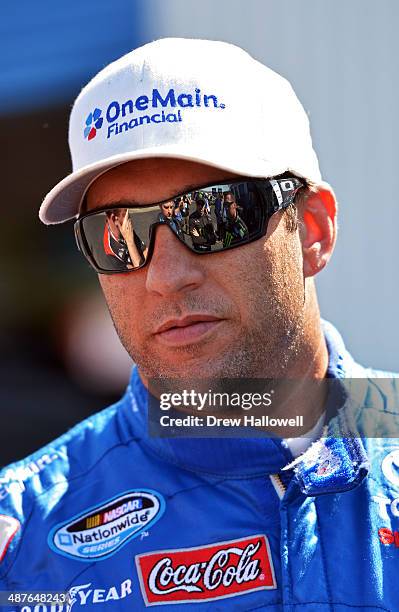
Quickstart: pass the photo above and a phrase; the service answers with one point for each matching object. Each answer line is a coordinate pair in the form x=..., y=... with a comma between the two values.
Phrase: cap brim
x=63, y=202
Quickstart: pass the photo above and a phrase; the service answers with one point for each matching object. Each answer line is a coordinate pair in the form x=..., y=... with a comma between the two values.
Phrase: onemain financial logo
x=168, y=108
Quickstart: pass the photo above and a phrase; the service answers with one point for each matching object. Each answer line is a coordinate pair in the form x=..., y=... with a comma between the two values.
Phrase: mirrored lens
x=117, y=239
x=207, y=220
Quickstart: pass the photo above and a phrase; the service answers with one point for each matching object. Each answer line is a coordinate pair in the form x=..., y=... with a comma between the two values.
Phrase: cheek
x=265, y=274
x=282, y=248
x=123, y=298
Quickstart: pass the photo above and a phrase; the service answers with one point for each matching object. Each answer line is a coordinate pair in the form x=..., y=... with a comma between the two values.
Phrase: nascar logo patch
x=100, y=531
x=204, y=573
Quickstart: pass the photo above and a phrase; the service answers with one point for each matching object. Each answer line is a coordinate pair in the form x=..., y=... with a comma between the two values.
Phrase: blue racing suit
x=123, y=521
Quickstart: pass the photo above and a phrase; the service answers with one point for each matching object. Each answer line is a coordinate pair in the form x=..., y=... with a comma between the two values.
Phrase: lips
x=185, y=322
x=186, y=330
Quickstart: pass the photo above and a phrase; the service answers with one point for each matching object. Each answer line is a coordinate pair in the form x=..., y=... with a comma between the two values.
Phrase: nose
x=172, y=267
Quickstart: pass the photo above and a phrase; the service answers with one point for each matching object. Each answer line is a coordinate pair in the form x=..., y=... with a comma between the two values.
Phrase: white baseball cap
x=198, y=100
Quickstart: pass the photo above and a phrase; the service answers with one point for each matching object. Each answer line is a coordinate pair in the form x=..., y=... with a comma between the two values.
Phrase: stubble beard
x=263, y=350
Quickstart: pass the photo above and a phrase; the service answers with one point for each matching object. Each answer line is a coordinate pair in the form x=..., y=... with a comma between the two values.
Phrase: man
x=182, y=211
x=166, y=212
x=168, y=215
x=201, y=227
x=178, y=212
x=124, y=521
x=219, y=215
x=123, y=247
x=235, y=230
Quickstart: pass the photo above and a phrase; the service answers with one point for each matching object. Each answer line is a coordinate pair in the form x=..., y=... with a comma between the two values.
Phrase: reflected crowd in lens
x=204, y=220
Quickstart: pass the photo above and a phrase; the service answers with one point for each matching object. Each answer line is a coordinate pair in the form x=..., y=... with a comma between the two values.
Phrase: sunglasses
x=219, y=217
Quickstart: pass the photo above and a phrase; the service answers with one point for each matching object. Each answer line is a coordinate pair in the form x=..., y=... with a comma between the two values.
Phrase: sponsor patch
x=97, y=533
x=388, y=537
x=390, y=467
x=8, y=528
x=84, y=595
x=387, y=506
x=204, y=573
x=14, y=479
x=87, y=594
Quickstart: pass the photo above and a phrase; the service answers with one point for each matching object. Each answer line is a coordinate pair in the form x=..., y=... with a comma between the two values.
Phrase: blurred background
x=60, y=359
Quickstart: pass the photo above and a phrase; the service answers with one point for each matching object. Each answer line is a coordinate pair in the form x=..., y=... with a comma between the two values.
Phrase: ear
x=318, y=229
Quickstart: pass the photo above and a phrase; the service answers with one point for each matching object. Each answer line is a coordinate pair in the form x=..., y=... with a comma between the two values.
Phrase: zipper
x=286, y=589
x=278, y=485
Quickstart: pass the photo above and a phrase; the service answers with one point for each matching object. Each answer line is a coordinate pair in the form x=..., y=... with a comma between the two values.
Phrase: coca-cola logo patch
x=203, y=573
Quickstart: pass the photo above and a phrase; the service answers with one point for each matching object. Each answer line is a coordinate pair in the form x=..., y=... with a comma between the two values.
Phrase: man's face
x=231, y=207
x=167, y=209
x=115, y=220
x=231, y=314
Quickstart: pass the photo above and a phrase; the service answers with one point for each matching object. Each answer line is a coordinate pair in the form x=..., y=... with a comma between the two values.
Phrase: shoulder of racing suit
x=25, y=484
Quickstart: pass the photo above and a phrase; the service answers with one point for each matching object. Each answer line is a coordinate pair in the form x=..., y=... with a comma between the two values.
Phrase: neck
x=311, y=358
x=306, y=392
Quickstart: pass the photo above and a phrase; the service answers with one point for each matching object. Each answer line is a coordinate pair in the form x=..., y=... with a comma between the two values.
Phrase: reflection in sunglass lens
x=206, y=221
